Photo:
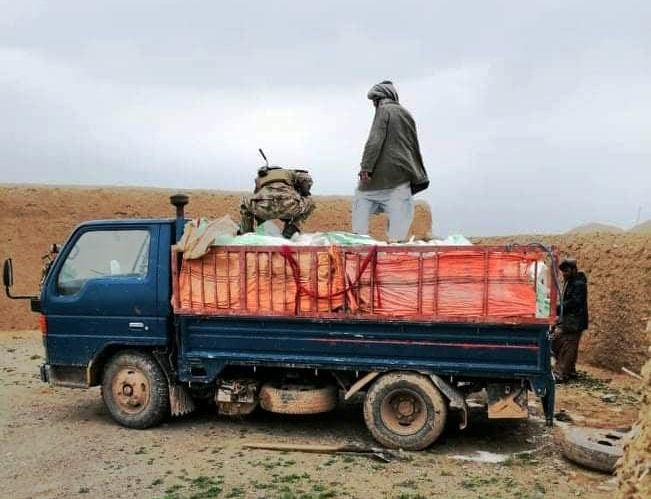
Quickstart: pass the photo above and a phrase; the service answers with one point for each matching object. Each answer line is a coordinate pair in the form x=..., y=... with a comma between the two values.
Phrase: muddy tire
x=405, y=411
x=288, y=398
x=135, y=391
x=593, y=448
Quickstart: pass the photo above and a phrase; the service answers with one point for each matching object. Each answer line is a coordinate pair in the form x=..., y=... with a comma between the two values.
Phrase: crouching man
x=572, y=322
x=281, y=194
x=392, y=169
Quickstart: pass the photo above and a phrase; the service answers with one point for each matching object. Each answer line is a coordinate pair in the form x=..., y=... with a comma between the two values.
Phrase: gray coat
x=392, y=154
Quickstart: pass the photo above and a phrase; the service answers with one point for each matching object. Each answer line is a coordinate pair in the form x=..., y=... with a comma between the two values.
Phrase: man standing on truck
x=392, y=169
x=572, y=322
x=281, y=194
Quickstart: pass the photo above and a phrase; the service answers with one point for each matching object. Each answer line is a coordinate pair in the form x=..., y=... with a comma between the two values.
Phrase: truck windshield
x=98, y=254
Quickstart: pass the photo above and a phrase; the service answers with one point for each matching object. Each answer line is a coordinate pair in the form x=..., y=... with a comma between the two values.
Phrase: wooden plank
x=214, y=271
x=358, y=286
x=189, y=267
x=435, y=291
x=228, y=278
x=202, y=280
x=256, y=255
x=485, y=296
x=372, y=285
x=329, y=283
x=419, y=284
x=314, y=268
x=243, y=294
x=271, y=288
x=284, y=284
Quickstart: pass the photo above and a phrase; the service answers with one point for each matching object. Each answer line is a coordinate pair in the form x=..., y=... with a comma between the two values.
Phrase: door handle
x=138, y=325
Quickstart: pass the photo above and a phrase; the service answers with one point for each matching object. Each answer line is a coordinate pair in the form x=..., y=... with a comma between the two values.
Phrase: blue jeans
x=397, y=203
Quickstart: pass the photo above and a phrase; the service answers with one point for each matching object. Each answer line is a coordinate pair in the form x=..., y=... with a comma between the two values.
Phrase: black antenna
x=263, y=157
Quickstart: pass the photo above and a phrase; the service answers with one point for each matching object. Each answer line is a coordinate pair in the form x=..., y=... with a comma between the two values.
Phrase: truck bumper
x=45, y=373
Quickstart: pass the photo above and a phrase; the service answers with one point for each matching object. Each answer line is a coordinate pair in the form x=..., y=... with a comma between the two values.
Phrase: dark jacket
x=575, y=304
x=392, y=154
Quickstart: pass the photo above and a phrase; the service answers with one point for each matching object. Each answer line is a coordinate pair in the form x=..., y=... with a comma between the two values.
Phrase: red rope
x=288, y=254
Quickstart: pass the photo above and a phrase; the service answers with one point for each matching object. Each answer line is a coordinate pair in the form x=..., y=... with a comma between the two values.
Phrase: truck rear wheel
x=135, y=391
x=405, y=411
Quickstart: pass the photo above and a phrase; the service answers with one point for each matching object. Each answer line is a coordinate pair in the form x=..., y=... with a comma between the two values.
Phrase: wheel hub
x=403, y=412
x=131, y=390
x=405, y=408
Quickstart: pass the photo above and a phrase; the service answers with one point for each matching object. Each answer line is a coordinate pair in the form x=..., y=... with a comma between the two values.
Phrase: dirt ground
x=58, y=442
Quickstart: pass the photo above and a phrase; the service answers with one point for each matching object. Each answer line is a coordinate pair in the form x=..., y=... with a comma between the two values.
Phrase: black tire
x=292, y=398
x=405, y=410
x=593, y=448
x=135, y=390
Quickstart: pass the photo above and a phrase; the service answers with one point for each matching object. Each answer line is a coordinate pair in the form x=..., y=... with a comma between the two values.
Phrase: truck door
x=103, y=291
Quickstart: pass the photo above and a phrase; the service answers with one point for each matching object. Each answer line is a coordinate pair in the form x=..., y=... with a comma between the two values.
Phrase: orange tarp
x=214, y=282
x=453, y=284
x=429, y=282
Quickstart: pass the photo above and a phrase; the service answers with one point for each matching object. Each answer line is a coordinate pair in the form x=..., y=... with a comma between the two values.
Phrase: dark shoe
x=290, y=230
x=563, y=416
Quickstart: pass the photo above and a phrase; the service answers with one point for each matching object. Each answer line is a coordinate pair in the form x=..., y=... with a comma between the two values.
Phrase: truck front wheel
x=405, y=411
x=135, y=391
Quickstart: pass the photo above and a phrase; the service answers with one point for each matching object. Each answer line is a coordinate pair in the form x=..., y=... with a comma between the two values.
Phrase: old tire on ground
x=593, y=448
x=135, y=390
x=405, y=411
x=294, y=398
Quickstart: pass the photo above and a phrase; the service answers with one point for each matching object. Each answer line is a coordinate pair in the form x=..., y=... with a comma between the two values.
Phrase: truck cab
x=108, y=289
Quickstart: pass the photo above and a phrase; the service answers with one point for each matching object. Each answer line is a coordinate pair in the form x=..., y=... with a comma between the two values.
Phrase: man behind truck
x=567, y=333
x=392, y=169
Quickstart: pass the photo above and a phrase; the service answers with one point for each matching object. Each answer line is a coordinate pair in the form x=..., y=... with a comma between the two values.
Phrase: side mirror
x=8, y=273
x=8, y=281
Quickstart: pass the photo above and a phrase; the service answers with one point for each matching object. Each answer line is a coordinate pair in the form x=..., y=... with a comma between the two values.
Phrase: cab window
x=114, y=254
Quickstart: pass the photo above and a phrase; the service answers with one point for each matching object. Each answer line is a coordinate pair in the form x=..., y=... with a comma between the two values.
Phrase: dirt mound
x=33, y=217
x=642, y=228
x=595, y=227
x=634, y=475
x=618, y=267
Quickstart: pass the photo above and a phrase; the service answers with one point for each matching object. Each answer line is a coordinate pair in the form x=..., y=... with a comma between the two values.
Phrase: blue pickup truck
x=107, y=318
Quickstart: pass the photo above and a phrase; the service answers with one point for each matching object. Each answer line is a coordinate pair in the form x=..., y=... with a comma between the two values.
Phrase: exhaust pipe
x=179, y=201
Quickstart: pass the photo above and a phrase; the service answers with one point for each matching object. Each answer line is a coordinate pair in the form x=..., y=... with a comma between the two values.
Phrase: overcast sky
x=532, y=116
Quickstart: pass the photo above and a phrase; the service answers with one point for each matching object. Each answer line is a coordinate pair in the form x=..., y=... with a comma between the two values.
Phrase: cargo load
x=429, y=282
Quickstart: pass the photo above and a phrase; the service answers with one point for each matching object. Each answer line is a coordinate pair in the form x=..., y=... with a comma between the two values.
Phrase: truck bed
x=307, y=307
x=450, y=349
